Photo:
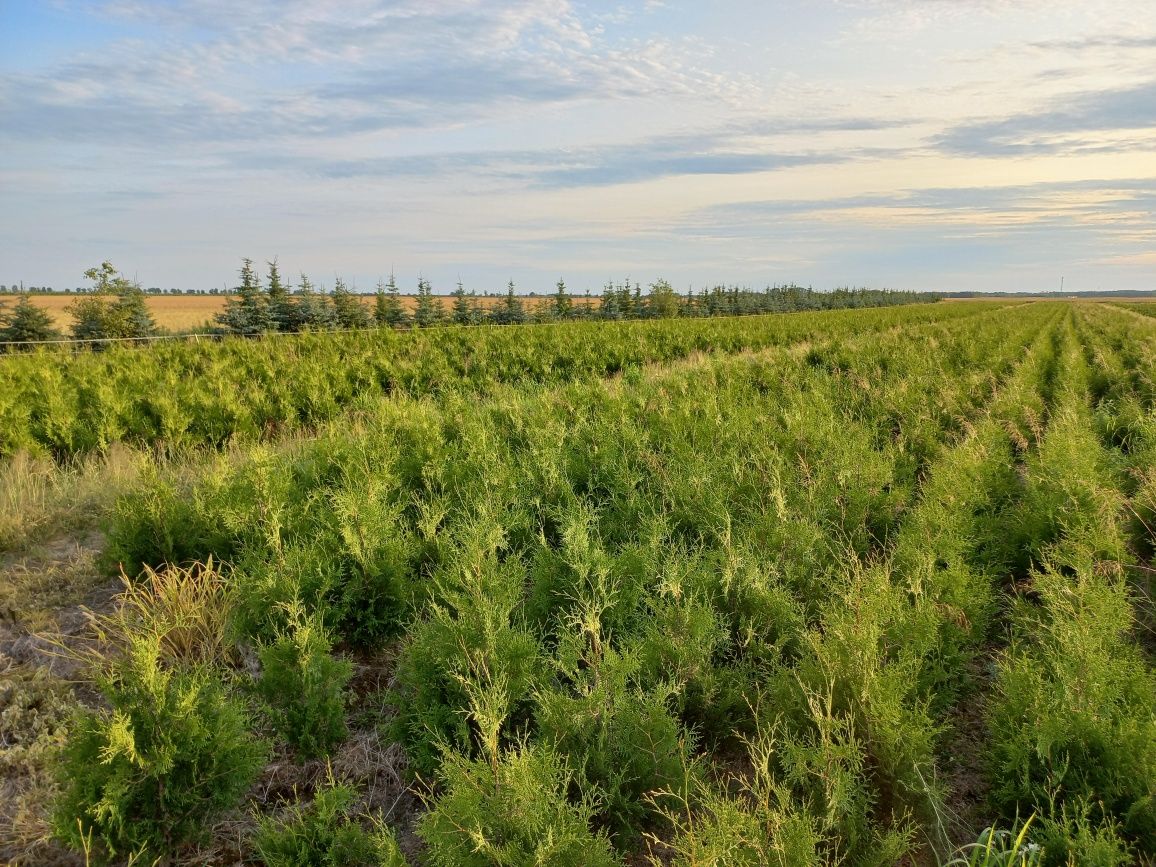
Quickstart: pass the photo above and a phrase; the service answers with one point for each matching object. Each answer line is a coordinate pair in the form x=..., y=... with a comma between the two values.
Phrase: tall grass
x=40, y=499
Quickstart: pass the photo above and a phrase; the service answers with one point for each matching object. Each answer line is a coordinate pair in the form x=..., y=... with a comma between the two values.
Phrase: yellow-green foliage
x=324, y=833
x=304, y=685
x=171, y=752
x=213, y=393
x=511, y=811
x=730, y=610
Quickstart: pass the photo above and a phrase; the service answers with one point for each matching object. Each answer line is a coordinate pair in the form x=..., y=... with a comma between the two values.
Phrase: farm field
x=861, y=587
x=171, y=312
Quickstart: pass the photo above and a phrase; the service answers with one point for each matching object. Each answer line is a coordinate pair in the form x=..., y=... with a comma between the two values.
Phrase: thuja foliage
x=731, y=610
x=511, y=809
x=753, y=819
x=326, y=833
x=147, y=776
x=212, y=394
x=620, y=742
x=1073, y=727
x=1073, y=736
x=469, y=644
x=304, y=685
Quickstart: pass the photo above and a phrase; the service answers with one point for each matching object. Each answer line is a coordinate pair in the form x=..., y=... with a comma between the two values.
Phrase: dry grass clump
x=185, y=607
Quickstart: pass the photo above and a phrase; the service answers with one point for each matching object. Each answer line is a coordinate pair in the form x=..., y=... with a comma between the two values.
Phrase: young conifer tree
x=429, y=310
x=314, y=312
x=512, y=311
x=130, y=313
x=26, y=322
x=282, y=311
x=380, y=305
x=563, y=304
x=347, y=306
x=463, y=310
x=611, y=306
x=247, y=312
x=391, y=311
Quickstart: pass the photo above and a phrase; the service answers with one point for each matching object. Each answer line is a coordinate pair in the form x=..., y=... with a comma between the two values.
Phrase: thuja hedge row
x=1121, y=356
x=1144, y=308
x=1073, y=735
x=602, y=588
x=889, y=653
x=208, y=394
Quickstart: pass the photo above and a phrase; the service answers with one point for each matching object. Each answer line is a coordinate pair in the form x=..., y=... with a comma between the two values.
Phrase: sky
x=907, y=144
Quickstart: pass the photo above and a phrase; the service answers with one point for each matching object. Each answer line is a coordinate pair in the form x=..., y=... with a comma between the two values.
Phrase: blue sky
x=937, y=144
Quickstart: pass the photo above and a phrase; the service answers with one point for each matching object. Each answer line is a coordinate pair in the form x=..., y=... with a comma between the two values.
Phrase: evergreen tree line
x=274, y=307
x=114, y=307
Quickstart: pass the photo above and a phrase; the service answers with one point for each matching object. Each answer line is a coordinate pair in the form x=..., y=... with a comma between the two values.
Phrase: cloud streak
x=1061, y=128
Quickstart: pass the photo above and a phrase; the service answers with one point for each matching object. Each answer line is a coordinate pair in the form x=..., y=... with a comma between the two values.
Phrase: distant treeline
x=272, y=306
x=113, y=307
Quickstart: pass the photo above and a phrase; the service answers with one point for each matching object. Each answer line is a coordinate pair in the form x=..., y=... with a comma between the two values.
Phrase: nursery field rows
x=859, y=587
x=177, y=395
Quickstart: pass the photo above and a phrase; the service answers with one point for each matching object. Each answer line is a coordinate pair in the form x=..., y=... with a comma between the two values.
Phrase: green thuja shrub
x=511, y=810
x=304, y=685
x=162, y=521
x=579, y=564
x=621, y=744
x=146, y=776
x=1072, y=497
x=826, y=764
x=748, y=820
x=362, y=605
x=677, y=643
x=1078, y=832
x=324, y=834
x=377, y=557
x=860, y=699
x=765, y=619
x=1072, y=723
x=471, y=641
